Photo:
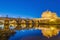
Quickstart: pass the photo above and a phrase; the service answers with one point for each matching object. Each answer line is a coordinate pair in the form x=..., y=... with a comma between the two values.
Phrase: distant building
x=49, y=14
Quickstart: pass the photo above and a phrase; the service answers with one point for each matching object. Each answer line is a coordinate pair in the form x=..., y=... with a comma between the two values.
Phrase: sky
x=28, y=8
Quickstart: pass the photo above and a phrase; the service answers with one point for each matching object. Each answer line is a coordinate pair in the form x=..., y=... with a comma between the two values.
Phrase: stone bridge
x=18, y=23
x=21, y=23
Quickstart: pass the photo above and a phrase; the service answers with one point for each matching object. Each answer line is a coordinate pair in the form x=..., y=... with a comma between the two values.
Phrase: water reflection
x=52, y=31
x=32, y=34
x=25, y=33
x=36, y=32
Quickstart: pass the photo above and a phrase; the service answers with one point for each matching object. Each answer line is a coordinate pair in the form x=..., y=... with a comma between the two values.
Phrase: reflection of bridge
x=18, y=23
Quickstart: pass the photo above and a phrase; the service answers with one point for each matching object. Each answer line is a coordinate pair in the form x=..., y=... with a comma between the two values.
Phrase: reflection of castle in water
x=49, y=23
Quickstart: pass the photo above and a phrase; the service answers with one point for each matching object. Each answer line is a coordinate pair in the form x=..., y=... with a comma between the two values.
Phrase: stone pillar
x=33, y=24
x=18, y=27
x=6, y=24
x=27, y=24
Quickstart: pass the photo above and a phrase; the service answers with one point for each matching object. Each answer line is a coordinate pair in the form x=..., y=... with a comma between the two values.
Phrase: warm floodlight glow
x=49, y=24
x=49, y=18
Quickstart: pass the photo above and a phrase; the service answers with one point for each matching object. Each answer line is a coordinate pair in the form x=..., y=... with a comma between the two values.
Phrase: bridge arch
x=12, y=23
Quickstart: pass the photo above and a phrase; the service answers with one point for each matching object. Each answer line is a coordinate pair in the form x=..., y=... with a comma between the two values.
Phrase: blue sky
x=28, y=8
